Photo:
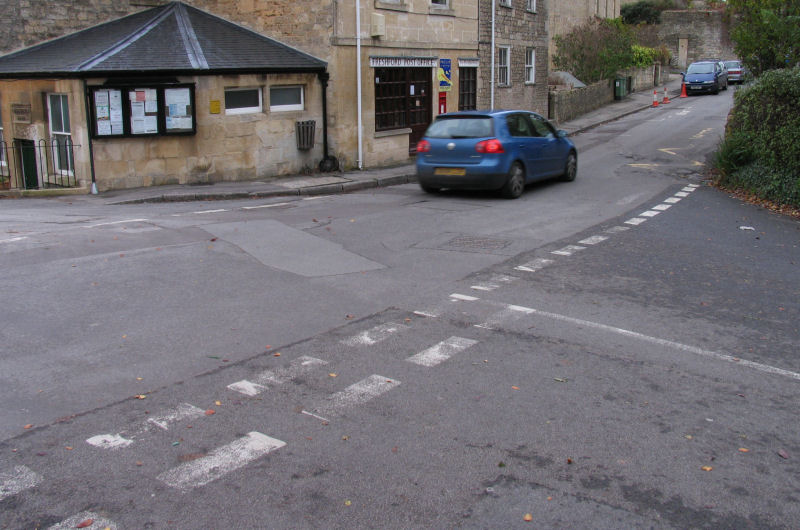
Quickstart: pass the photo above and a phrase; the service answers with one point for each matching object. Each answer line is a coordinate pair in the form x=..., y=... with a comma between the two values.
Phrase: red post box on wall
x=442, y=102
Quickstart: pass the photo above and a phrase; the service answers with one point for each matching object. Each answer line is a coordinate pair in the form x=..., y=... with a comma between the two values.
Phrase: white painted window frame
x=246, y=110
x=285, y=108
x=55, y=135
x=530, y=66
x=505, y=3
x=504, y=68
x=531, y=6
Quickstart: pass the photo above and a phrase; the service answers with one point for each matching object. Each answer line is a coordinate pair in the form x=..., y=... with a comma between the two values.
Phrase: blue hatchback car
x=493, y=150
x=706, y=76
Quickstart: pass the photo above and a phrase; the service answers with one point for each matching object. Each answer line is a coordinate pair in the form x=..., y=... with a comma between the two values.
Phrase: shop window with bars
x=390, y=98
x=467, y=88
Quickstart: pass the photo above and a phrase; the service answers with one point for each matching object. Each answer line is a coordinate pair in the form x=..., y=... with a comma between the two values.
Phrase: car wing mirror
x=562, y=133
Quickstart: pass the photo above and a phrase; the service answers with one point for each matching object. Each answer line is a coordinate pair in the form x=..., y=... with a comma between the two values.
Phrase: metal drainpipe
x=491, y=82
x=86, y=103
x=328, y=163
x=358, y=85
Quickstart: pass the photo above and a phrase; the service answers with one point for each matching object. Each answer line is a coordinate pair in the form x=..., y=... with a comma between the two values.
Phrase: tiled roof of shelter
x=174, y=38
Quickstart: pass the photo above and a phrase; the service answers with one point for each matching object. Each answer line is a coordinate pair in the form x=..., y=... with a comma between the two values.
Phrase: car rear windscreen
x=460, y=127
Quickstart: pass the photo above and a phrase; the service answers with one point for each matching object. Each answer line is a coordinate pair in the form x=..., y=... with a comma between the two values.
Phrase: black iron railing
x=28, y=164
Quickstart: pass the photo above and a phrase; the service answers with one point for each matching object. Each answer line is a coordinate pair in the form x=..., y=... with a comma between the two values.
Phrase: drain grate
x=476, y=243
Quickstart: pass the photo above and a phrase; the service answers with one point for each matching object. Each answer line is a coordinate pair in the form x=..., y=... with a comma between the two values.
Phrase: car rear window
x=733, y=64
x=460, y=127
x=705, y=68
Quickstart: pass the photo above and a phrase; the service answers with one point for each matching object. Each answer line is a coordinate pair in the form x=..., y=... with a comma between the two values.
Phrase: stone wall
x=564, y=15
x=705, y=33
x=566, y=105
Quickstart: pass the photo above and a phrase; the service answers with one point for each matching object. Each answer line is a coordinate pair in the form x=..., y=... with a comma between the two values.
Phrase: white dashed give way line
x=18, y=479
x=374, y=335
x=357, y=394
x=653, y=340
x=163, y=420
x=259, y=383
x=220, y=461
x=441, y=352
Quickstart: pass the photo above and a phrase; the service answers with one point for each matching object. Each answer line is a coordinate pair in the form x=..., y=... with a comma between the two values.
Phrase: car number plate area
x=695, y=87
x=450, y=171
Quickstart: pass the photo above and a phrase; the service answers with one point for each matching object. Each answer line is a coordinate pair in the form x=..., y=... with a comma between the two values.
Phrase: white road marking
x=358, y=393
x=307, y=413
x=20, y=238
x=635, y=221
x=20, y=478
x=442, y=351
x=672, y=200
x=428, y=313
x=181, y=412
x=98, y=523
x=200, y=212
x=494, y=282
x=661, y=342
x=681, y=194
x=109, y=441
x=535, y=265
x=373, y=336
x=220, y=461
x=649, y=213
x=662, y=207
x=117, y=223
x=265, y=206
x=688, y=189
x=463, y=298
x=280, y=376
x=593, y=240
x=617, y=229
x=569, y=250
x=162, y=420
x=499, y=317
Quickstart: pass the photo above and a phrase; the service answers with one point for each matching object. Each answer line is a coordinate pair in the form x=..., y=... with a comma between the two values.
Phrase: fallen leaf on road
x=276, y=354
x=349, y=317
x=569, y=461
x=85, y=524
x=331, y=375
x=28, y=426
x=213, y=239
x=141, y=396
x=527, y=518
x=68, y=448
x=210, y=412
x=783, y=454
x=744, y=450
x=218, y=403
x=514, y=388
x=706, y=468
x=347, y=503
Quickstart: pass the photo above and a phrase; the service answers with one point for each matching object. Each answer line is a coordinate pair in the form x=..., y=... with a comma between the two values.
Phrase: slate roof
x=174, y=39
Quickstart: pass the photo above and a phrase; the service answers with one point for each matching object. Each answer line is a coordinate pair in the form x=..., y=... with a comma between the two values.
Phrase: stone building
x=518, y=35
x=393, y=64
x=694, y=34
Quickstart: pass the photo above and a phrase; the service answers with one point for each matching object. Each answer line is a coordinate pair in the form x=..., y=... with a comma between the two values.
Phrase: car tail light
x=490, y=146
x=423, y=146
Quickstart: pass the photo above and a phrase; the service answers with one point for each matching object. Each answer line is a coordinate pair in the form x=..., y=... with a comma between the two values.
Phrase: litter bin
x=620, y=88
x=305, y=134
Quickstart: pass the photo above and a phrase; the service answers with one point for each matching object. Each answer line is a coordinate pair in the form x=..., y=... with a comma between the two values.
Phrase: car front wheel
x=515, y=184
x=570, y=168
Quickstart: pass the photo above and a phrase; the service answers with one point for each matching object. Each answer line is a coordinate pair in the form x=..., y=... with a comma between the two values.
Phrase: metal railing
x=26, y=164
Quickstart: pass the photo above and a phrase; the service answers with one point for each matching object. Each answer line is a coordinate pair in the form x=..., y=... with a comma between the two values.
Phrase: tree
x=766, y=33
x=595, y=50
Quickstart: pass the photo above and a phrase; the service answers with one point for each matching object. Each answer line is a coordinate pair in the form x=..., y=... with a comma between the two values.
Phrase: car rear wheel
x=515, y=184
x=570, y=168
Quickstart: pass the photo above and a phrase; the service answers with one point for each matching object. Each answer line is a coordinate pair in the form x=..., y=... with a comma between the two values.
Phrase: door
x=27, y=155
x=419, y=104
x=550, y=146
x=683, y=53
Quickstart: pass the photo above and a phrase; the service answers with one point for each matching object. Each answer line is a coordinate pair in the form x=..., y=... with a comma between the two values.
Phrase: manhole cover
x=476, y=243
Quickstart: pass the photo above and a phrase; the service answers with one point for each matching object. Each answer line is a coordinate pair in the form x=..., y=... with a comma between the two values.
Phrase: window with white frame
x=531, y=6
x=530, y=66
x=283, y=98
x=440, y=3
x=60, y=135
x=243, y=100
x=2, y=143
x=505, y=3
x=503, y=70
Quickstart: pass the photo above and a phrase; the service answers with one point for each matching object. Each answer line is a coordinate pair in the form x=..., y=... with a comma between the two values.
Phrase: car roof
x=486, y=113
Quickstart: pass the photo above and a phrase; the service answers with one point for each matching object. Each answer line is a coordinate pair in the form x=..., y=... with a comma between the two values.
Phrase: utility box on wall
x=305, y=134
x=377, y=25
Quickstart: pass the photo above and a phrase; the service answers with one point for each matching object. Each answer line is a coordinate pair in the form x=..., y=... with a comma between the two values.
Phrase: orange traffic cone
x=683, y=91
x=666, y=96
x=655, y=98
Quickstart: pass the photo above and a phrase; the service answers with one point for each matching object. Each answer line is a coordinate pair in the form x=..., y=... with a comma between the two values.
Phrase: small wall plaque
x=21, y=112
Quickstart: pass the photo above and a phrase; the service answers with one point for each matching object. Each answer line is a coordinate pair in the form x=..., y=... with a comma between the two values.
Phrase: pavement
x=344, y=181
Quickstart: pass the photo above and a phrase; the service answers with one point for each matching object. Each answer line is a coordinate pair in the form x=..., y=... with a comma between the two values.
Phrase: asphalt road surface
x=617, y=352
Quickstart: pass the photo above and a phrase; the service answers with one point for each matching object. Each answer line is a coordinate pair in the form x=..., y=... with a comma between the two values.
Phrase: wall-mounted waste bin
x=305, y=134
x=620, y=88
